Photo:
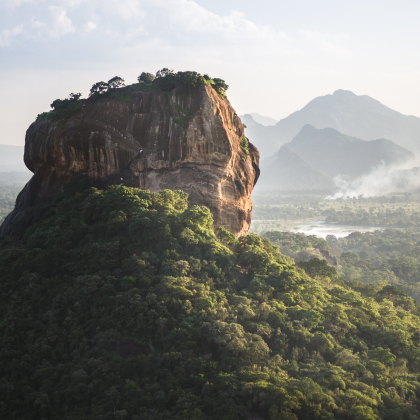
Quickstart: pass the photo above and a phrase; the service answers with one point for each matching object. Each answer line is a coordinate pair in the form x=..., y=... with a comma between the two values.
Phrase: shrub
x=146, y=78
x=167, y=80
x=62, y=109
x=244, y=146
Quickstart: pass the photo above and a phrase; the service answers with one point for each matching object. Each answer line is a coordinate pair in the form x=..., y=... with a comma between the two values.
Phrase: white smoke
x=383, y=179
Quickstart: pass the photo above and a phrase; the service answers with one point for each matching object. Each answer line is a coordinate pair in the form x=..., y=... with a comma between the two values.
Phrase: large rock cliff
x=181, y=140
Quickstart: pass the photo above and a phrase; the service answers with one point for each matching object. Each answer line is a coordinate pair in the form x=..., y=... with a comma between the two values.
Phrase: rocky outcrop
x=182, y=140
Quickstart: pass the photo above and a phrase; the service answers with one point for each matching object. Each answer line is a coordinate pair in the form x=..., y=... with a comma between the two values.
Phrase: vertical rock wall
x=183, y=140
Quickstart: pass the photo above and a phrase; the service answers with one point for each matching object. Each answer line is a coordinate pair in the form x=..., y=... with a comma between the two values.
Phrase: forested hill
x=358, y=116
x=123, y=304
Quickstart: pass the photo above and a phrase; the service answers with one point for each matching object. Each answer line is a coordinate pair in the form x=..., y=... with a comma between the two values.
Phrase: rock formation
x=181, y=140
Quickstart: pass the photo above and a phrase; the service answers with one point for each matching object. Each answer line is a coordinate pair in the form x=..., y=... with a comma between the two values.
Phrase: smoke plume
x=383, y=179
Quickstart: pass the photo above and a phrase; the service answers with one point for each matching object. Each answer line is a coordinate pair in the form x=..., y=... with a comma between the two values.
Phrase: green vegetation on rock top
x=123, y=304
x=164, y=82
x=62, y=109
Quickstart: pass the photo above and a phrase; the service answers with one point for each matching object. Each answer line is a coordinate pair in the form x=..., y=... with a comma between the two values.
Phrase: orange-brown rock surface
x=182, y=140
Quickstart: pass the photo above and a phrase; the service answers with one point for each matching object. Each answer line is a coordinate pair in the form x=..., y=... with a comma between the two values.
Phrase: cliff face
x=187, y=141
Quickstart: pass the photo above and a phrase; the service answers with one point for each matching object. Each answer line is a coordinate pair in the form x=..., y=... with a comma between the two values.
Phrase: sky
x=275, y=56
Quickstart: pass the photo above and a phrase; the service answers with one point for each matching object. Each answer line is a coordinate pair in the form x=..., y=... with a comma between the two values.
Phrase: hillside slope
x=122, y=304
x=286, y=170
x=261, y=119
x=358, y=116
x=334, y=153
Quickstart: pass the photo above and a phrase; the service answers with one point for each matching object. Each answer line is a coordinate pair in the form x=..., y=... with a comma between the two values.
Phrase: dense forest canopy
x=286, y=212
x=123, y=304
x=390, y=256
x=377, y=258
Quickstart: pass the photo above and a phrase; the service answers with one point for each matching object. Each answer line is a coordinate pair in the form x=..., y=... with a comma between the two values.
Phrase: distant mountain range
x=358, y=116
x=261, y=119
x=286, y=170
x=315, y=156
x=261, y=136
x=11, y=159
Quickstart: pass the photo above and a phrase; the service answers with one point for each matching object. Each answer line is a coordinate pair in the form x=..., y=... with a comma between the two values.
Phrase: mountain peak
x=335, y=153
x=359, y=116
x=344, y=93
x=263, y=120
x=308, y=128
x=249, y=121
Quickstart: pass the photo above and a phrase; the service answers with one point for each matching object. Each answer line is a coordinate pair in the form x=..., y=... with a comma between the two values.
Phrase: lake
x=320, y=229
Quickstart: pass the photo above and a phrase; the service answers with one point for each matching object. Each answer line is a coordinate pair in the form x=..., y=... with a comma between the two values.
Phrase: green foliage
x=227, y=237
x=116, y=82
x=382, y=257
x=360, y=217
x=8, y=194
x=318, y=267
x=146, y=78
x=62, y=109
x=98, y=88
x=286, y=212
x=244, y=146
x=297, y=245
x=123, y=304
x=274, y=212
x=122, y=96
x=164, y=82
x=220, y=86
x=167, y=80
x=143, y=87
x=115, y=88
x=184, y=115
x=101, y=88
x=179, y=121
x=389, y=259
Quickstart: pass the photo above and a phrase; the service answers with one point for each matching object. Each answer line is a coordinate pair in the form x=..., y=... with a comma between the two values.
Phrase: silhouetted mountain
x=286, y=170
x=314, y=157
x=335, y=153
x=359, y=116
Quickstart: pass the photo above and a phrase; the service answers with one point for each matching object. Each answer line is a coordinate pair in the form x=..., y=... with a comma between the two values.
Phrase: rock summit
x=191, y=140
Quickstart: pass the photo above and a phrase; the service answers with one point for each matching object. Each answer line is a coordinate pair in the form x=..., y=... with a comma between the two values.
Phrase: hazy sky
x=275, y=55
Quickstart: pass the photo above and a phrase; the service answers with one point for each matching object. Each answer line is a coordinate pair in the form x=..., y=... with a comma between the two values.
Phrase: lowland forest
x=125, y=304
x=395, y=210
x=117, y=303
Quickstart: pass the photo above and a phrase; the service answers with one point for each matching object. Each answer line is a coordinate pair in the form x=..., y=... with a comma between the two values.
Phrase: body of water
x=320, y=229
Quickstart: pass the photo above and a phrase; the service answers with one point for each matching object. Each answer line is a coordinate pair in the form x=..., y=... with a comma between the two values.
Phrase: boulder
x=187, y=140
